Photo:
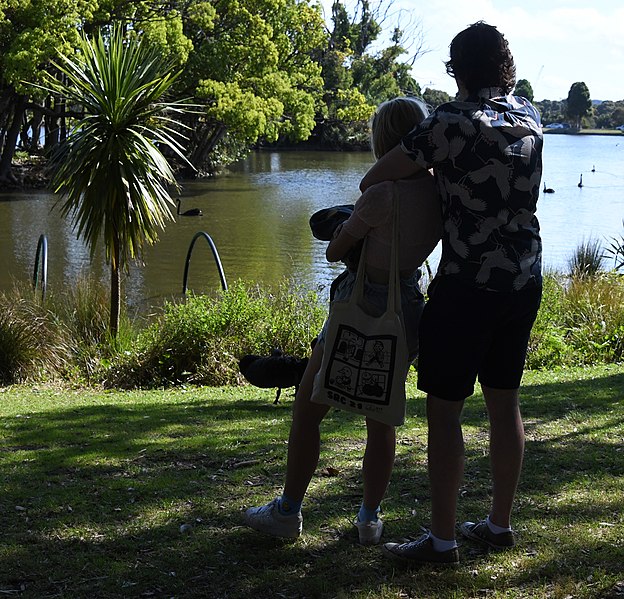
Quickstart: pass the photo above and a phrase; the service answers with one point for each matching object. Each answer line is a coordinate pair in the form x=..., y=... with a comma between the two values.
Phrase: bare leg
x=378, y=461
x=304, y=440
x=445, y=462
x=506, y=449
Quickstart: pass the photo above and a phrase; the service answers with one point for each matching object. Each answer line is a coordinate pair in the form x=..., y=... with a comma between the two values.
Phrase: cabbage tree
x=111, y=173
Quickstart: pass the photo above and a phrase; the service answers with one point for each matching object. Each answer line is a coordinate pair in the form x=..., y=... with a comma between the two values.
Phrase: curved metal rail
x=215, y=253
x=42, y=251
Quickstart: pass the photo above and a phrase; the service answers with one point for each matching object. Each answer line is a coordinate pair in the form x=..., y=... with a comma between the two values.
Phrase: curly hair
x=393, y=120
x=480, y=57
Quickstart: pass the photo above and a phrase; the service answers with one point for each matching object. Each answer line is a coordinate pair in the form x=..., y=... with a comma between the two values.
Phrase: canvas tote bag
x=365, y=357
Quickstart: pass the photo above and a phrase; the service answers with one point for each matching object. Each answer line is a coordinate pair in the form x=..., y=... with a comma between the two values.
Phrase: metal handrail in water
x=215, y=253
x=42, y=250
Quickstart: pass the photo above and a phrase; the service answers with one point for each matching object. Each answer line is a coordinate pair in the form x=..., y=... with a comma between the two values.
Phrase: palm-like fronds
x=616, y=250
x=110, y=172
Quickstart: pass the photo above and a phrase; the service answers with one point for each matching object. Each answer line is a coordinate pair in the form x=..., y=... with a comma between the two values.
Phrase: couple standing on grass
x=485, y=151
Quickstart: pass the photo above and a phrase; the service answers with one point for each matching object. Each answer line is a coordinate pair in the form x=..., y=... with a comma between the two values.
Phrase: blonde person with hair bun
x=419, y=231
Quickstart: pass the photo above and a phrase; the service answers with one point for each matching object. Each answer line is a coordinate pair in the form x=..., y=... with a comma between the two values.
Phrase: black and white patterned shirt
x=486, y=154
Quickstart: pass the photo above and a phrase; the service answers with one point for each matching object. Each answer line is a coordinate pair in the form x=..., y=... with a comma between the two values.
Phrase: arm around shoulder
x=394, y=165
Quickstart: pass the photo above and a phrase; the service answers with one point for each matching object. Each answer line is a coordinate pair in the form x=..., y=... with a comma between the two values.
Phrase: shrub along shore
x=199, y=340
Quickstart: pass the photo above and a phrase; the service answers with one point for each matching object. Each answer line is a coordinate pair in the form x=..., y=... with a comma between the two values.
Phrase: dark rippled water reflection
x=257, y=215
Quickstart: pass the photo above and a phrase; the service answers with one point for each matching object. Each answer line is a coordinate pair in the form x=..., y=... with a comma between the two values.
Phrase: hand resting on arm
x=340, y=245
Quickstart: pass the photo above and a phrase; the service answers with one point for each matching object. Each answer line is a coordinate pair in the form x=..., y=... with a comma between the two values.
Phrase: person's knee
x=379, y=430
x=502, y=403
x=492, y=394
x=443, y=410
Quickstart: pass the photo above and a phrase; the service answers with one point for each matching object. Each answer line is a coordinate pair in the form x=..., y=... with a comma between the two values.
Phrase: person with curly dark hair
x=480, y=58
x=485, y=150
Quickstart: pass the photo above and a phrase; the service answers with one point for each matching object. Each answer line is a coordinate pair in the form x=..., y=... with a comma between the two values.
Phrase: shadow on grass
x=145, y=499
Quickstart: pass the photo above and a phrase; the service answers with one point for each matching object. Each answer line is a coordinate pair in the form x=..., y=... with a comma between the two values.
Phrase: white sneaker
x=267, y=519
x=370, y=532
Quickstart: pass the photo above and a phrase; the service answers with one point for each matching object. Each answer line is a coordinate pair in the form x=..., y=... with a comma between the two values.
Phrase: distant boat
x=548, y=189
x=580, y=183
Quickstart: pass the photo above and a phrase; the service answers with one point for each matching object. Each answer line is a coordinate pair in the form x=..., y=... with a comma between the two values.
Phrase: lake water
x=257, y=214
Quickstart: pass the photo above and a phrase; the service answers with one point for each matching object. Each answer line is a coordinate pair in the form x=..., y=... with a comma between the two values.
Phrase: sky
x=555, y=43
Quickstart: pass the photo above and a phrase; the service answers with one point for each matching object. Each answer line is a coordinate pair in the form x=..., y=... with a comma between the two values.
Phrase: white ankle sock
x=495, y=528
x=442, y=544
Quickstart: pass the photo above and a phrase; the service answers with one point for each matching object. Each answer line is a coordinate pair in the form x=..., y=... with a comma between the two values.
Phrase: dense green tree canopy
x=552, y=111
x=435, y=97
x=356, y=78
x=524, y=89
x=252, y=66
x=251, y=63
x=579, y=103
x=608, y=114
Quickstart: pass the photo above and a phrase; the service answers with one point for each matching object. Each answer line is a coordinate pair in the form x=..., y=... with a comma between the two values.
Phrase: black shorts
x=467, y=333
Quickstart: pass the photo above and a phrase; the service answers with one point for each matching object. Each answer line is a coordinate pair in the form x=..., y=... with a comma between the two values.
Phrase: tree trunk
x=115, y=303
x=63, y=125
x=51, y=126
x=205, y=139
x=35, y=126
x=6, y=102
x=10, y=140
x=24, y=139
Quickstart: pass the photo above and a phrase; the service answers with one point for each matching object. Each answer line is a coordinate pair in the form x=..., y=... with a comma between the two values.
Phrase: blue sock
x=287, y=506
x=366, y=515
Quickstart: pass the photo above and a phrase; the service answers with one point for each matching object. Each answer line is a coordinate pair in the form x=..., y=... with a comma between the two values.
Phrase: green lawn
x=139, y=494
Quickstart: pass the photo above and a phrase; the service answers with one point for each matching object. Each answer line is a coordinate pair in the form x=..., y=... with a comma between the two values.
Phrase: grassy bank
x=140, y=493
x=200, y=340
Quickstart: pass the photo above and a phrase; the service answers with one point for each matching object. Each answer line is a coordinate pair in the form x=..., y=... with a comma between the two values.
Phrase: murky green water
x=258, y=215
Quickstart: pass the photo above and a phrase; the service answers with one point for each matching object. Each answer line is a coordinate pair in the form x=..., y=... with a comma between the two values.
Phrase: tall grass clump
x=615, y=250
x=580, y=321
x=201, y=339
x=34, y=345
x=84, y=309
x=548, y=346
x=587, y=259
x=594, y=318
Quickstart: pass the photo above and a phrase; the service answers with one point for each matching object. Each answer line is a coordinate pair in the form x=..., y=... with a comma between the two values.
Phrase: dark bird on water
x=191, y=212
x=580, y=183
x=548, y=189
x=277, y=370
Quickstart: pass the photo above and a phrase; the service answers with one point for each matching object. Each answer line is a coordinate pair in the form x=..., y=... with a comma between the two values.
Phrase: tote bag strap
x=394, y=280
x=358, y=287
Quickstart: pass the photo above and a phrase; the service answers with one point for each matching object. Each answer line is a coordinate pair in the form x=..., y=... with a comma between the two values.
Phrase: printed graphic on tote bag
x=361, y=367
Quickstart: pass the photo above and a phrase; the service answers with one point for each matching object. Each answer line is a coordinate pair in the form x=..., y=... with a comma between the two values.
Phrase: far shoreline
x=582, y=131
x=31, y=174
